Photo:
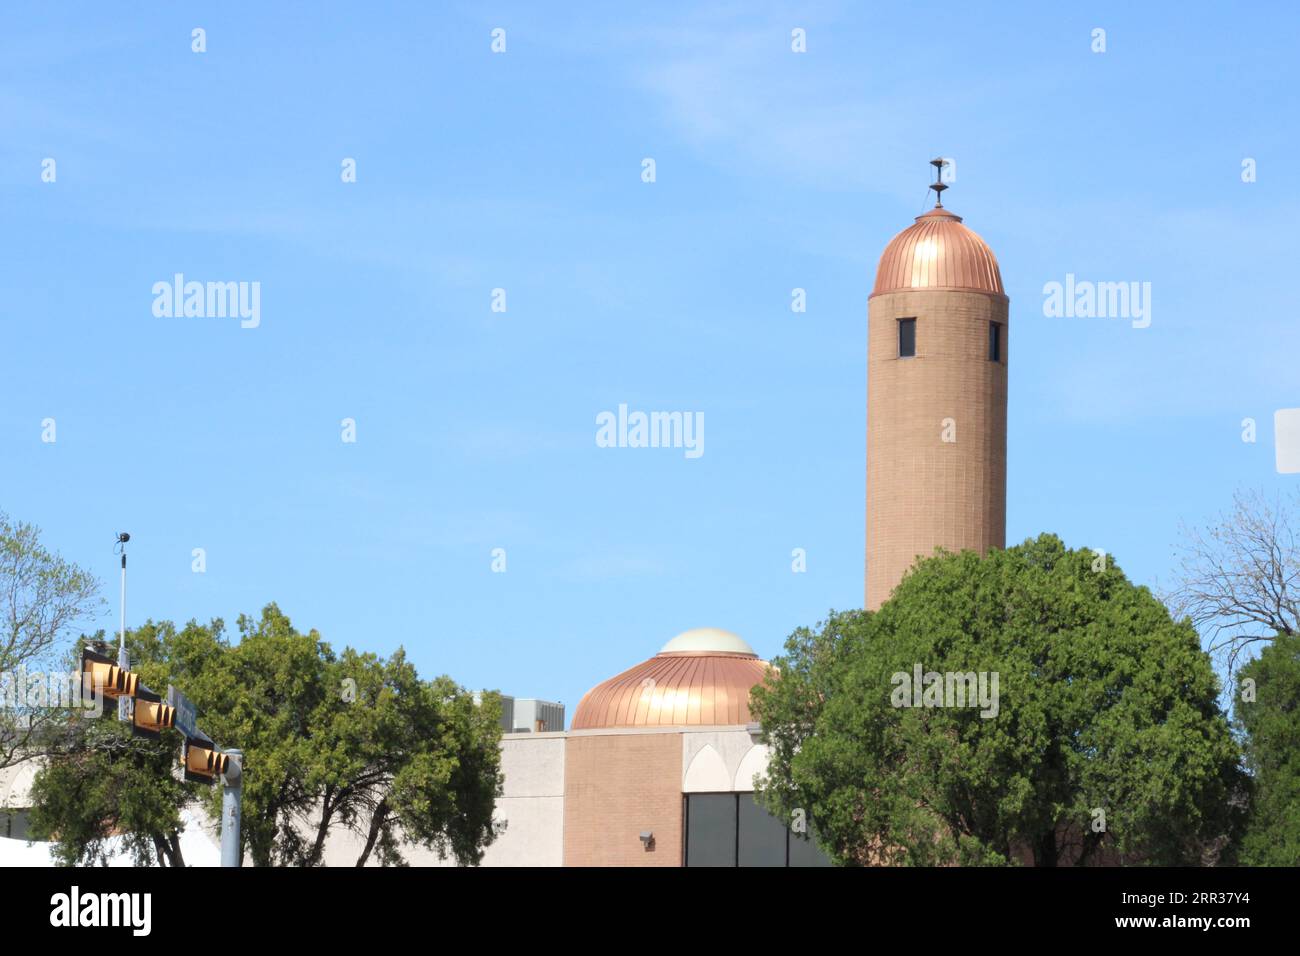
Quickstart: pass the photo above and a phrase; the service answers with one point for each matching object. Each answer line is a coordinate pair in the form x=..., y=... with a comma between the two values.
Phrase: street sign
x=186, y=715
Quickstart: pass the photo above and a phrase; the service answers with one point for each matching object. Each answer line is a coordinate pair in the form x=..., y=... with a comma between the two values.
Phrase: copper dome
x=700, y=678
x=938, y=252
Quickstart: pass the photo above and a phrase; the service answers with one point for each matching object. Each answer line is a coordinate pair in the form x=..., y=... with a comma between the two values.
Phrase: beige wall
x=721, y=761
x=531, y=805
x=922, y=492
x=616, y=786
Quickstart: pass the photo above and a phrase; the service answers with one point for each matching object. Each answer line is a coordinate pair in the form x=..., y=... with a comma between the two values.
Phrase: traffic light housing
x=203, y=763
x=100, y=674
x=150, y=715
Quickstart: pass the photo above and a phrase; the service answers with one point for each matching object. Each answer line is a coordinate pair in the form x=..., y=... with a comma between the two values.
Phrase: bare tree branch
x=1239, y=580
x=41, y=597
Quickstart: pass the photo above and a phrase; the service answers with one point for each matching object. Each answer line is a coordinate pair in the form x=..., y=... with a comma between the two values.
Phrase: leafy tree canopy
x=1268, y=710
x=1107, y=742
x=330, y=742
x=42, y=598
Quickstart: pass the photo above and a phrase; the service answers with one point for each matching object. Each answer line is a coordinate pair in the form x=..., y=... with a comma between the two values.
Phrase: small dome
x=938, y=252
x=708, y=639
x=700, y=678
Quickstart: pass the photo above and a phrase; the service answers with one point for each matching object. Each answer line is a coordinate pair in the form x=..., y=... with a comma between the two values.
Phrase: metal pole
x=123, y=661
x=232, y=792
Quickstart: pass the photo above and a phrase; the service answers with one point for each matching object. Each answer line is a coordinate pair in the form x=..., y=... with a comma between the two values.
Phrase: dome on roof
x=938, y=252
x=708, y=639
x=701, y=677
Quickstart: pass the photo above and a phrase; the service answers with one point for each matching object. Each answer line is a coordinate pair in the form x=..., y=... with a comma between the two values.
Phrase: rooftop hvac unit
x=507, y=710
x=537, y=716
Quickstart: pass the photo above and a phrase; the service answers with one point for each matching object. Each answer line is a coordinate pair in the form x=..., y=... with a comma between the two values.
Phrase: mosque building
x=658, y=767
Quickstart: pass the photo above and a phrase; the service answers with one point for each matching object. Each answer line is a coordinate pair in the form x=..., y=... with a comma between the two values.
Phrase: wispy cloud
x=733, y=89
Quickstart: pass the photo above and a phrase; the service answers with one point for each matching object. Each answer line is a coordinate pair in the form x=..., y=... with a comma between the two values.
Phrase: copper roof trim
x=672, y=689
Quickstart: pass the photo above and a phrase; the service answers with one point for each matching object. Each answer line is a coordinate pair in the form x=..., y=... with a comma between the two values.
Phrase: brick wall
x=617, y=785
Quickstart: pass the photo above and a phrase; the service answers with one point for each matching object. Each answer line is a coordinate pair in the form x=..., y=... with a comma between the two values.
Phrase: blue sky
x=522, y=171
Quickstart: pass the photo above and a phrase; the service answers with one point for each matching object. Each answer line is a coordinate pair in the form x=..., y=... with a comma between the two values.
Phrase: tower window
x=906, y=338
x=995, y=342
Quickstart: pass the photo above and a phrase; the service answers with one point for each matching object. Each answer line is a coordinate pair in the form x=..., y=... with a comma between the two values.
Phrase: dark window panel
x=762, y=836
x=711, y=829
x=906, y=338
x=806, y=852
x=731, y=829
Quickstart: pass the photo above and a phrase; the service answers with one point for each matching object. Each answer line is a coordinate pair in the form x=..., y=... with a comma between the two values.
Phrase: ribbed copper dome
x=700, y=678
x=938, y=252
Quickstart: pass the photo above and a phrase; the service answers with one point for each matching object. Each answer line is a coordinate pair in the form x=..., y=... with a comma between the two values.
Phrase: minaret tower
x=936, y=397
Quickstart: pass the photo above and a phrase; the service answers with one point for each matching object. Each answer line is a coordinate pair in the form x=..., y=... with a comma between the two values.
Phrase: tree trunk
x=1045, y=851
x=376, y=824
x=177, y=858
x=1091, y=841
x=323, y=829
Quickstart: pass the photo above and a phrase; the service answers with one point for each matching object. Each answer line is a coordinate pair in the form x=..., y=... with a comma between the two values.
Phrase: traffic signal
x=101, y=675
x=203, y=763
x=150, y=715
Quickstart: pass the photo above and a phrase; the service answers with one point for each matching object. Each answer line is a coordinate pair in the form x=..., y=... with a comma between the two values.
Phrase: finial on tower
x=938, y=185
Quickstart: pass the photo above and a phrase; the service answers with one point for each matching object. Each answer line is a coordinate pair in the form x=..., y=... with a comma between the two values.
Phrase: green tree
x=107, y=783
x=1107, y=741
x=401, y=759
x=330, y=742
x=98, y=781
x=42, y=596
x=1269, y=714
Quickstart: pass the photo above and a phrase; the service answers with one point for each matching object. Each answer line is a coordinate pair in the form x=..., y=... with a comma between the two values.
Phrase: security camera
x=123, y=537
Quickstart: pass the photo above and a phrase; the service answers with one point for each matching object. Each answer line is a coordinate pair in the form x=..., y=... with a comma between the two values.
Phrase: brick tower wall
x=923, y=492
